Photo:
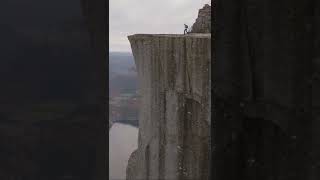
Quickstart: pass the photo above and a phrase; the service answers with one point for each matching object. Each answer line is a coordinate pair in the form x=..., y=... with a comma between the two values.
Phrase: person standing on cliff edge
x=185, y=29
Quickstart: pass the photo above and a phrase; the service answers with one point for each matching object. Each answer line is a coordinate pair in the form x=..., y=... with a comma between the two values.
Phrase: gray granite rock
x=203, y=22
x=174, y=132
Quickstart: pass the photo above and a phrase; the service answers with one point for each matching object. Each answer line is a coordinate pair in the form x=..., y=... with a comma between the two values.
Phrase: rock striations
x=203, y=22
x=174, y=132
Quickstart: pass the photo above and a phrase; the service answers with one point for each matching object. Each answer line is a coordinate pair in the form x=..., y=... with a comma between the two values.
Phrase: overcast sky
x=129, y=17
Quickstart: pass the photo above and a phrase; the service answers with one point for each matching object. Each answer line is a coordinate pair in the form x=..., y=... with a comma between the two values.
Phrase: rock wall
x=174, y=132
x=203, y=22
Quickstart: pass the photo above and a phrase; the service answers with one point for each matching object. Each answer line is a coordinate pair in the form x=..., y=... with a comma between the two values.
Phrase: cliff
x=174, y=132
x=203, y=22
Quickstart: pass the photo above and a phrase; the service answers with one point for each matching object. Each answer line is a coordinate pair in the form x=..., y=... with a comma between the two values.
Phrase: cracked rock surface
x=203, y=22
x=174, y=132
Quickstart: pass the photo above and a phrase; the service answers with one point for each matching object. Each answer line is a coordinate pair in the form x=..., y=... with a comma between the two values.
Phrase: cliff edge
x=174, y=132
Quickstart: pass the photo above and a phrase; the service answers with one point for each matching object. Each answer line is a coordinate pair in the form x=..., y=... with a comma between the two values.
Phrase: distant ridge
x=118, y=53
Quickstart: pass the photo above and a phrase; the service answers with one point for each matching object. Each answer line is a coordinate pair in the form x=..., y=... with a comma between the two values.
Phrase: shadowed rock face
x=203, y=22
x=174, y=77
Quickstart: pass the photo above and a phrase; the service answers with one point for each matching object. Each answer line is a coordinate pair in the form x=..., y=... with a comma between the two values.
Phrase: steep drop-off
x=174, y=132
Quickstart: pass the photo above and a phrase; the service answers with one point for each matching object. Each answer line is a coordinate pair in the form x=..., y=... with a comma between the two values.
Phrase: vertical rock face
x=110, y=124
x=203, y=22
x=174, y=133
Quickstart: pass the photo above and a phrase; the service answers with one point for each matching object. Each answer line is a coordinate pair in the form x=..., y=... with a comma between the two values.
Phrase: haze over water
x=123, y=140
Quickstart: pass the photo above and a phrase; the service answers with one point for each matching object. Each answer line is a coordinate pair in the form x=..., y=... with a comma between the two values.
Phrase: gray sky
x=129, y=17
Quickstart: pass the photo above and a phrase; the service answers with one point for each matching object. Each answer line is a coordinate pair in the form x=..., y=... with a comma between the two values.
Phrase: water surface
x=123, y=140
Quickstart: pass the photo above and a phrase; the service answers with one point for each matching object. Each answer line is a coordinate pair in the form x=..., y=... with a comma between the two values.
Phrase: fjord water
x=123, y=140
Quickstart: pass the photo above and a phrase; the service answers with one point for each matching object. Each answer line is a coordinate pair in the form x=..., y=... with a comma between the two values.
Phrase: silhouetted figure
x=185, y=29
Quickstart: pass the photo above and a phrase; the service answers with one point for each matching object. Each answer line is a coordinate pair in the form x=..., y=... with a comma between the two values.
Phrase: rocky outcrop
x=174, y=131
x=203, y=22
